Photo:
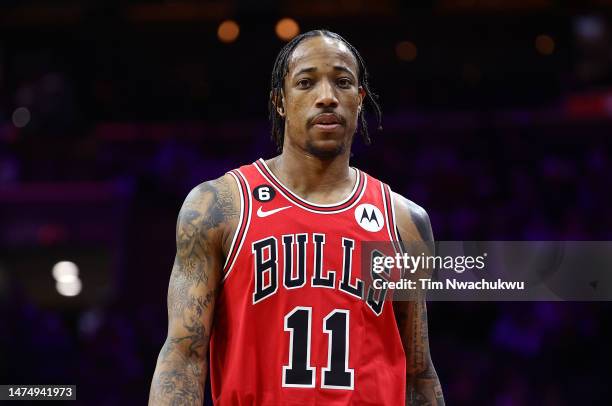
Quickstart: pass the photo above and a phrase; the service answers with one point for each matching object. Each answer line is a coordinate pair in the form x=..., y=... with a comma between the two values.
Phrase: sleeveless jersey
x=295, y=323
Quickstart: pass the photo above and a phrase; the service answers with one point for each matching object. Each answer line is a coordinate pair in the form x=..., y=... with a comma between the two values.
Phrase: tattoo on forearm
x=181, y=366
x=177, y=379
x=427, y=393
x=411, y=318
x=423, y=385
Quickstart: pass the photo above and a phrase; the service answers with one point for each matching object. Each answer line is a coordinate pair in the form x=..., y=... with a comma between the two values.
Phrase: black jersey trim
x=348, y=202
x=243, y=224
x=391, y=224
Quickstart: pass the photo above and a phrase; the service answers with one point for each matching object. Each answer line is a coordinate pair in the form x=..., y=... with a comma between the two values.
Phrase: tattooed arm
x=422, y=383
x=204, y=229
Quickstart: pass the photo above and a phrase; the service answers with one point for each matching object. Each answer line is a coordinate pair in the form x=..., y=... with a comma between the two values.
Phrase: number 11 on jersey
x=299, y=373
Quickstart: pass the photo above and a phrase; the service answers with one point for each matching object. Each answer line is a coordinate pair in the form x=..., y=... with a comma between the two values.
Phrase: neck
x=308, y=175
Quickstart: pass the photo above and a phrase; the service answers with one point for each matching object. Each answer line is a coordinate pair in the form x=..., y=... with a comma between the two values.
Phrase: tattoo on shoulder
x=207, y=209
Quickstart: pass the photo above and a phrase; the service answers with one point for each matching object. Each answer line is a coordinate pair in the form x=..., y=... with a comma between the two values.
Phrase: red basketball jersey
x=294, y=321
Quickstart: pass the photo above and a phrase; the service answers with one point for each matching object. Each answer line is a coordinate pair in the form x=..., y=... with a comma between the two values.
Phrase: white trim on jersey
x=357, y=178
x=299, y=199
x=398, y=238
x=247, y=225
x=231, y=249
x=387, y=219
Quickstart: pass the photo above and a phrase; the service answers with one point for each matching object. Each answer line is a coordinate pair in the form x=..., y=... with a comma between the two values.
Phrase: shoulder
x=412, y=220
x=214, y=196
x=203, y=194
x=211, y=208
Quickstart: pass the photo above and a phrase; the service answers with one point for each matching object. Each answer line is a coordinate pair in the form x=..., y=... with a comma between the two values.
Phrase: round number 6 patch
x=264, y=193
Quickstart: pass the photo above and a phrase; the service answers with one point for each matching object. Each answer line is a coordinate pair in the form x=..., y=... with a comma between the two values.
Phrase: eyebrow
x=314, y=69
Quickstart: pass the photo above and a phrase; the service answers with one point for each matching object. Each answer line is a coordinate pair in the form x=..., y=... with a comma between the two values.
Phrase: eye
x=303, y=83
x=344, y=83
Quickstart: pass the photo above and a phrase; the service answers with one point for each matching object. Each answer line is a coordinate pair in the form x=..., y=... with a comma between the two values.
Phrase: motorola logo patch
x=369, y=217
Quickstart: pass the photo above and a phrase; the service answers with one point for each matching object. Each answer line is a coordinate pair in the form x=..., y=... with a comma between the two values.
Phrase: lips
x=327, y=119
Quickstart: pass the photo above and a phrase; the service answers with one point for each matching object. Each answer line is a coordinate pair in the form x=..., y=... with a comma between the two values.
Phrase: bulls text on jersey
x=293, y=271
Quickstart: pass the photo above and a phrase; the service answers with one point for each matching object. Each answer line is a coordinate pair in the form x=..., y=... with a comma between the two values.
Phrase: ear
x=361, y=95
x=278, y=104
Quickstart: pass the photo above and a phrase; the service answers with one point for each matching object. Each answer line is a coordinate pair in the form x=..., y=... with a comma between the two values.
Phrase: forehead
x=322, y=51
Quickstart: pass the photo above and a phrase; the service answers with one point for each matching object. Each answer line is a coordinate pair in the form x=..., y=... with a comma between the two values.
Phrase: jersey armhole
x=243, y=222
x=393, y=231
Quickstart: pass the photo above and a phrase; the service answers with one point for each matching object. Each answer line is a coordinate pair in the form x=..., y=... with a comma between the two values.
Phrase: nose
x=326, y=96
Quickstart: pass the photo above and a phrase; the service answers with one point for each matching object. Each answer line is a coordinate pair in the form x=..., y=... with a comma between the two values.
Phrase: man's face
x=322, y=97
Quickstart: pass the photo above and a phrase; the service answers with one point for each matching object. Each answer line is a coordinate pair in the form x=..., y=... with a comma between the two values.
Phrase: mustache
x=339, y=117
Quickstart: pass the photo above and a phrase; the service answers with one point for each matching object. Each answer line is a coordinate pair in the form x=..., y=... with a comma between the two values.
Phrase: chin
x=325, y=149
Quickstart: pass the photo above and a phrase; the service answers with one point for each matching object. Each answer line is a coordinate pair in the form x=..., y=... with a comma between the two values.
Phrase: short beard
x=325, y=154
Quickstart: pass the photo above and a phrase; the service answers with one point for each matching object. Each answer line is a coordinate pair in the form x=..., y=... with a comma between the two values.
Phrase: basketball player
x=266, y=265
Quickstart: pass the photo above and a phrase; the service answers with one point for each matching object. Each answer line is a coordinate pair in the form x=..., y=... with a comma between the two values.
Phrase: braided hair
x=281, y=68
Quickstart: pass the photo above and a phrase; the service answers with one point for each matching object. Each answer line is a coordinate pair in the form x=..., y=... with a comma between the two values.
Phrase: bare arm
x=422, y=383
x=205, y=223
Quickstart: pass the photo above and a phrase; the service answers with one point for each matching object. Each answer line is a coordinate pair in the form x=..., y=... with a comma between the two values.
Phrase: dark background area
x=497, y=120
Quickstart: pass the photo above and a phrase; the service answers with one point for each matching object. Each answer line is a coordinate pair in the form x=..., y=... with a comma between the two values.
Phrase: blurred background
x=497, y=119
